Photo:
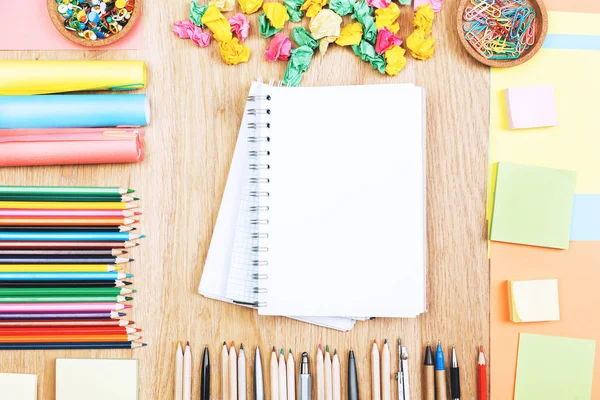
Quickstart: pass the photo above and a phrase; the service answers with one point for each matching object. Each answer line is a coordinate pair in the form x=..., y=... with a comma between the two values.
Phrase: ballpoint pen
x=304, y=384
x=454, y=377
x=429, y=372
x=241, y=370
x=352, y=377
x=205, y=385
x=259, y=390
x=440, y=373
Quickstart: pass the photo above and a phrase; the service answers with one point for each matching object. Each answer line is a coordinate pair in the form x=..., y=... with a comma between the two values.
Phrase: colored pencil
x=482, y=376
x=24, y=228
x=67, y=205
x=187, y=373
x=40, y=323
x=320, y=374
x=68, y=338
x=63, y=283
x=79, y=199
x=179, y=373
x=62, y=276
x=54, y=245
x=61, y=316
x=233, y=376
x=55, y=331
x=61, y=307
x=67, y=291
x=328, y=375
x=66, y=253
x=225, y=372
x=375, y=372
x=30, y=213
x=72, y=346
x=67, y=236
x=58, y=259
x=114, y=221
x=58, y=268
x=65, y=190
x=65, y=299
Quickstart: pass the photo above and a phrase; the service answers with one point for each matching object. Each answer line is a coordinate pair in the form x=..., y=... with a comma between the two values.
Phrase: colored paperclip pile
x=500, y=29
x=95, y=19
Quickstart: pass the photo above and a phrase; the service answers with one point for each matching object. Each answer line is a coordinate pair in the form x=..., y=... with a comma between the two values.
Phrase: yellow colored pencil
x=67, y=205
x=58, y=268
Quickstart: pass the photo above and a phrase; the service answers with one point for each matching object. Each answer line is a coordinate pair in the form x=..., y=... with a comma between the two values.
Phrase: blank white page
x=18, y=386
x=346, y=231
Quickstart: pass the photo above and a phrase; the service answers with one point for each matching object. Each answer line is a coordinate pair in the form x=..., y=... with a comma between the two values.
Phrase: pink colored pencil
x=60, y=307
x=19, y=212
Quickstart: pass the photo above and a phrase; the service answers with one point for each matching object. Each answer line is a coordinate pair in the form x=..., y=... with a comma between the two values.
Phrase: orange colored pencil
x=66, y=221
x=68, y=338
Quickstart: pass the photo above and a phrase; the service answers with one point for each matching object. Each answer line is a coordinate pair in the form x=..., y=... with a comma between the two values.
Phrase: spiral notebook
x=332, y=184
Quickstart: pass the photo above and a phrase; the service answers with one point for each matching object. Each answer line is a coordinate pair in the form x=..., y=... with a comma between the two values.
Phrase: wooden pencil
x=65, y=190
x=56, y=331
x=282, y=377
x=66, y=291
x=232, y=373
x=25, y=213
x=71, y=346
x=65, y=299
x=328, y=375
x=65, y=253
x=59, y=268
x=187, y=372
x=386, y=389
x=79, y=199
x=274, y=371
x=62, y=283
x=225, y=372
x=68, y=205
x=114, y=221
x=83, y=236
x=60, y=259
x=179, y=373
x=61, y=316
x=41, y=323
x=70, y=245
x=375, y=373
x=68, y=338
x=291, y=377
x=336, y=377
x=320, y=375
x=24, y=228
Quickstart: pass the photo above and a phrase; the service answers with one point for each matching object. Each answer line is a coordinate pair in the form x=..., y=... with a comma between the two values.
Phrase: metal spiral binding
x=258, y=141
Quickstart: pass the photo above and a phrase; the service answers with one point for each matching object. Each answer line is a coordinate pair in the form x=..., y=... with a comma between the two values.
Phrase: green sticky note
x=554, y=368
x=532, y=205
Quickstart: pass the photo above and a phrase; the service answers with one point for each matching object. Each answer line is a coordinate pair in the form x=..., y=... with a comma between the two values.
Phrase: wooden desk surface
x=197, y=104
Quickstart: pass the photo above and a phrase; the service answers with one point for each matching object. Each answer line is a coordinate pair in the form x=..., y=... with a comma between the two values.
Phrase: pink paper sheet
x=25, y=25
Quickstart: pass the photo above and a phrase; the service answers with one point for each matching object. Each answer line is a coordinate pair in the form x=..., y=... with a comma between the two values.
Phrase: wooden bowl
x=59, y=24
x=542, y=28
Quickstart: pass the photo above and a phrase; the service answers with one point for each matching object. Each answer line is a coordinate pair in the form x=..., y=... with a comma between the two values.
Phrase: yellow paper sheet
x=44, y=77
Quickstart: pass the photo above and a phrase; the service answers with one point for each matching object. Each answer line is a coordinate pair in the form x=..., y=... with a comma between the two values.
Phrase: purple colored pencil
x=103, y=315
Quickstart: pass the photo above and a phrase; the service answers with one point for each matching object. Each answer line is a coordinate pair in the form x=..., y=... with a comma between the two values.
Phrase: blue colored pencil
x=67, y=236
x=62, y=276
x=70, y=346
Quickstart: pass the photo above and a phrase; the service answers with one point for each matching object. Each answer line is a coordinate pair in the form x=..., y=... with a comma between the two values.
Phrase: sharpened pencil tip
x=128, y=298
x=144, y=344
x=290, y=351
x=274, y=349
x=130, y=190
x=334, y=352
x=384, y=341
x=319, y=347
x=142, y=236
x=241, y=346
x=327, y=348
x=137, y=213
x=122, y=314
x=281, y=351
x=374, y=341
x=232, y=344
x=224, y=343
x=481, y=348
x=128, y=283
x=136, y=198
x=188, y=343
x=131, y=259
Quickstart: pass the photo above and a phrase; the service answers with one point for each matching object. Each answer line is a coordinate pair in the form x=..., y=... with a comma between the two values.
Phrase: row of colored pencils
x=62, y=255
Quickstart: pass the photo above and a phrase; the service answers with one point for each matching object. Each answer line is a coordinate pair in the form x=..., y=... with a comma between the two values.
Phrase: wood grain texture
x=197, y=104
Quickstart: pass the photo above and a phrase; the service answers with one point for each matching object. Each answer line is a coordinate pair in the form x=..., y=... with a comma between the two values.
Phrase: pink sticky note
x=26, y=25
x=418, y=3
x=530, y=107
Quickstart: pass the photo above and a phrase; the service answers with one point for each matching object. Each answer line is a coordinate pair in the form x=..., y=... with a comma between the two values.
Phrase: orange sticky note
x=578, y=271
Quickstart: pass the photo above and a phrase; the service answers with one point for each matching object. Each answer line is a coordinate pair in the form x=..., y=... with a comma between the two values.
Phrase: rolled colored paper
x=303, y=38
x=276, y=14
x=366, y=52
x=420, y=47
x=394, y=60
x=364, y=14
x=223, y=5
x=293, y=9
x=386, y=17
x=217, y=23
x=325, y=26
x=378, y=3
x=73, y=111
x=250, y=6
x=199, y=37
x=279, y=48
x=70, y=146
x=184, y=29
x=424, y=18
x=60, y=307
x=25, y=77
x=78, y=236
x=196, y=13
x=350, y=34
x=264, y=26
x=436, y=5
x=240, y=26
x=385, y=40
x=299, y=61
x=62, y=276
x=313, y=7
x=233, y=52
x=341, y=7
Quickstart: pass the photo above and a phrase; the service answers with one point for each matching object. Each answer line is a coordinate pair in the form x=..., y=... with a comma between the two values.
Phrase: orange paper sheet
x=26, y=25
x=578, y=274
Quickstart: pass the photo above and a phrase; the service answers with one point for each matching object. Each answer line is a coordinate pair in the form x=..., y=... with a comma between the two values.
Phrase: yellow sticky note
x=217, y=23
x=386, y=17
x=276, y=13
x=350, y=34
x=533, y=301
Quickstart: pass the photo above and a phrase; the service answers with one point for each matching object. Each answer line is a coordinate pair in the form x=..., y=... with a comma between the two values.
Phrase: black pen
x=454, y=379
x=352, y=377
x=205, y=385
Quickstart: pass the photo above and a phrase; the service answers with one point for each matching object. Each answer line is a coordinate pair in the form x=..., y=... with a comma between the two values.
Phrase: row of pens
x=286, y=384
x=63, y=251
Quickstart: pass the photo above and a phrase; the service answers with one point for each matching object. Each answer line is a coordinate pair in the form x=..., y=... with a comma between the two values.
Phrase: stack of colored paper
x=63, y=251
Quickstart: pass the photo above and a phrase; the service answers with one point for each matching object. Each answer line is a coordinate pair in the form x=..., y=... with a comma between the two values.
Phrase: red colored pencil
x=56, y=331
x=41, y=323
x=482, y=375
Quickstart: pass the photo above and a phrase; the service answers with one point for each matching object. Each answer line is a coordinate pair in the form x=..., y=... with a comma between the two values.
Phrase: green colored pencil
x=77, y=198
x=65, y=291
x=64, y=190
x=65, y=299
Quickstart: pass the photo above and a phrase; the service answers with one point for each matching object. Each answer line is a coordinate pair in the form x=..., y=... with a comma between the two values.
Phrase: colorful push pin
x=63, y=9
x=93, y=17
x=81, y=26
x=120, y=3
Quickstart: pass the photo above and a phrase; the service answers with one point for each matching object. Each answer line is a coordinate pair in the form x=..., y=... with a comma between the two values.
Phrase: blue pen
x=62, y=276
x=440, y=373
x=68, y=236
